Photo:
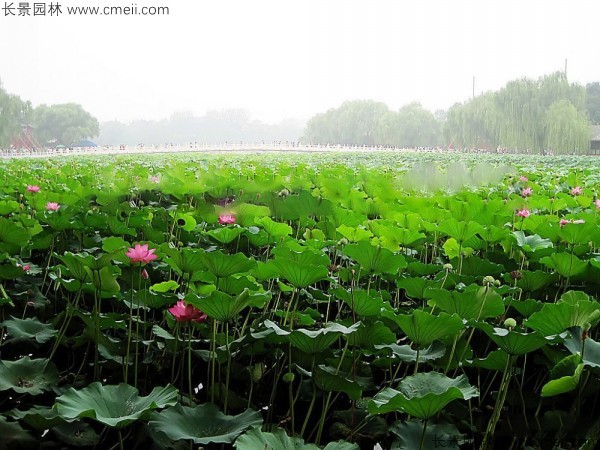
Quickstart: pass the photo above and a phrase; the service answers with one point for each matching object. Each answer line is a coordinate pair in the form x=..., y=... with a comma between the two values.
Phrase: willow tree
x=354, y=122
x=517, y=116
x=411, y=126
x=13, y=113
x=567, y=129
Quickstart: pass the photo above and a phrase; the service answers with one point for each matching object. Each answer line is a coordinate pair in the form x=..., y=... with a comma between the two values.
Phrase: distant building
x=25, y=139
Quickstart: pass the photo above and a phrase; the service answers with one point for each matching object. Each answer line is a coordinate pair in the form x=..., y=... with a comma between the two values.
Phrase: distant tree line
x=64, y=124
x=216, y=126
x=526, y=115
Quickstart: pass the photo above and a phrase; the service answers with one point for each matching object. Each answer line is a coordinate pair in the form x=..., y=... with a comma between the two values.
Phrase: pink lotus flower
x=141, y=254
x=187, y=313
x=598, y=204
x=144, y=274
x=564, y=222
x=527, y=192
x=523, y=179
x=155, y=179
x=576, y=190
x=26, y=268
x=226, y=219
x=52, y=206
x=523, y=213
x=33, y=188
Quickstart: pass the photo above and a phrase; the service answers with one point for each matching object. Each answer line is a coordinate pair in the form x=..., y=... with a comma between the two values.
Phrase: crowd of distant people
x=248, y=146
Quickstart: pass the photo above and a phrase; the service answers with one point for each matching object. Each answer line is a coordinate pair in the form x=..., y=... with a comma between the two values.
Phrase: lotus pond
x=300, y=302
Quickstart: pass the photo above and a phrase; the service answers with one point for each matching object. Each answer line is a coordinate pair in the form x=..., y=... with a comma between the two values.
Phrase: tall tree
x=524, y=115
x=13, y=113
x=63, y=124
x=411, y=126
x=354, y=123
x=593, y=102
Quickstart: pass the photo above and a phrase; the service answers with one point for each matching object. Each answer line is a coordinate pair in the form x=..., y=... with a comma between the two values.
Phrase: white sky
x=291, y=58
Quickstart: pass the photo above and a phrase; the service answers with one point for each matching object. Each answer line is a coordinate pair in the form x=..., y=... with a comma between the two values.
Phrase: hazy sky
x=290, y=58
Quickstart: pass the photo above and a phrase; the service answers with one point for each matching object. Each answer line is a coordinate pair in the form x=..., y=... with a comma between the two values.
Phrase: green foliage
x=64, y=124
x=534, y=115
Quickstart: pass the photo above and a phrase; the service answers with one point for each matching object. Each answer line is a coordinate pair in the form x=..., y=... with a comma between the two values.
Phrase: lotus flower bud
x=510, y=323
x=289, y=377
x=488, y=280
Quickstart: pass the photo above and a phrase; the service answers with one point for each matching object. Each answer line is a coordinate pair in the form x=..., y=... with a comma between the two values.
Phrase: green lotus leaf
x=310, y=341
x=279, y=440
x=580, y=233
x=566, y=264
x=117, y=227
x=512, y=342
x=436, y=435
x=113, y=406
x=165, y=286
x=473, y=303
x=225, y=235
x=492, y=234
x=114, y=243
x=273, y=229
x=104, y=280
x=422, y=395
x=564, y=376
x=329, y=379
x=354, y=234
x=28, y=376
x=361, y=301
x=423, y=328
x=532, y=243
x=203, y=424
x=554, y=318
x=300, y=269
x=186, y=260
x=590, y=351
x=459, y=230
x=495, y=360
x=30, y=328
x=525, y=307
x=415, y=286
x=369, y=335
x=222, y=265
x=76, y=266
x=185, y=221
x=407, y=354
x=38, y=417
x=533, y=281
x=12, y=236
x=224, y=307
x=374, y=260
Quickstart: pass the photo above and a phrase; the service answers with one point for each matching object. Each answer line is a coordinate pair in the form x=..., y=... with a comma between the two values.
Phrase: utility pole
x=565, y=68
x=473, y=86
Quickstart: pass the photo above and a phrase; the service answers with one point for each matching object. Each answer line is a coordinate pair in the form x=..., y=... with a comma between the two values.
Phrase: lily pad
x=473, y=303
x=422, y=395
x=512, y=342
x=423, y=328
x=25, y=375
x=30, y=328
x=565, y=376
x=570, y=311
x=279, y=440
x=114, y=406
x=203, y=424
